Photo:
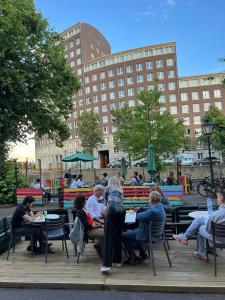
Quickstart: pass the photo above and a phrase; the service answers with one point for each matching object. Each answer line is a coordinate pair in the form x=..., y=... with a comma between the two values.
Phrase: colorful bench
x=21, y=193
x=173, y=193
x=69, y=195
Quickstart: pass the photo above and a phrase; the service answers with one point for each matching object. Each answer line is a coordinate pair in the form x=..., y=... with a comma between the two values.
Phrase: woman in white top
x=80, y=182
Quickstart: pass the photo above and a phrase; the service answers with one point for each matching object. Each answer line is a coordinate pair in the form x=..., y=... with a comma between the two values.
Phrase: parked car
x=115, y=163
x=169, y=161
x=141, y=163
x=205, y=161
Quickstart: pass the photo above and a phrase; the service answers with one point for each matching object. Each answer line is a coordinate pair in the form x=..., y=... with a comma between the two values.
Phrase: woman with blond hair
x=114, y=221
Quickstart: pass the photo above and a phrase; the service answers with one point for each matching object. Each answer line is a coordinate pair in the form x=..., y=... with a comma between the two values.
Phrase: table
x=48, y=217
x=198, y=214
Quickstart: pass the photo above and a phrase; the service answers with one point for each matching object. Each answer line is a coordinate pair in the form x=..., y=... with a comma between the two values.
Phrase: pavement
x=47, y=294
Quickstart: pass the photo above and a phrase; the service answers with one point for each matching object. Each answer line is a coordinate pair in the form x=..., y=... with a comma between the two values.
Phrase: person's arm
x=145, y=215
x=28, y=218
x=30, y=213
x=82, y=216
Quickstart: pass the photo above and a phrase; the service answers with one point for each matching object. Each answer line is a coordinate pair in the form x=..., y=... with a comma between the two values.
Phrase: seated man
x=94, y=204
x=155, y=212
x=38, y=185
x=23, y=215
x=73, y=183
x=202, y=227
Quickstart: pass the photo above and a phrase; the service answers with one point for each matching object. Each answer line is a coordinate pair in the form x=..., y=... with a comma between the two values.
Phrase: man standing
x=155, y=213
x=94, y=204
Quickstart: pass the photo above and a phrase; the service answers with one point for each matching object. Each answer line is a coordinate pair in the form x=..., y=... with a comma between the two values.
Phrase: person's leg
x=117, y=251
x=128, y=239
x=201, y=237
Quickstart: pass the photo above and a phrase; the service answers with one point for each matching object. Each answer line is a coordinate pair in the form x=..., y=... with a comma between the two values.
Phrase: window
x=186, y=121
x=121, y=93
x=112, y=95
x=105, y=129
x=106, y=140
x=151, y=87
x=78, y=51
x=196, y=108
x=131, y=103
x=206, y=106
x=140, y=78
x=130, y=92
x=171, y=74
x=198, y=132
x=139, y=67
x=95, y=88
x=162, y=99
x=104, y=108
x=185, y=109
x=114, y=128
x=94, y=77
x=162, y=110
x=197, y=120
x=71, y=54
x=172, y=86
x=194, y=96
x=160, y=75
x=72, y=64
x=159, y=63
x=119, y=70
x=92, y=56
x=149, y=64
x=77, y=41
x=103, y=97
x=102, y=75
x=170, y=62
x=103, y=86
x=88, y=100
x=205, y=94
x=161, y=86
x=105, y=119
x=173, y=97
x=79, y=71
x=87, y=79
x=95, y=98
x=81, y=102
x=113, y=105
x=218, y=105
x=217, y=93
x=130, y=80
x=112, y=84
x=184, y=96
x=150, y=76
x=111, y=73
x=121, y=104
x=78, y=61
x=96, y=109
x=87, y=90
x=121, y=82
x=173, y=110
x=130, y=69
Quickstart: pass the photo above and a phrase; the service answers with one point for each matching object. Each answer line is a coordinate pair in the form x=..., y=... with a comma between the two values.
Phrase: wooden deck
x=188, y=274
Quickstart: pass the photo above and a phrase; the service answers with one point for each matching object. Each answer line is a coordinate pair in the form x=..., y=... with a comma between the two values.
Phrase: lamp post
x=207, y=129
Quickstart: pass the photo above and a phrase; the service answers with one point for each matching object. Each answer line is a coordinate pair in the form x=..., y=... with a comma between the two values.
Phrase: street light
x=207, y=128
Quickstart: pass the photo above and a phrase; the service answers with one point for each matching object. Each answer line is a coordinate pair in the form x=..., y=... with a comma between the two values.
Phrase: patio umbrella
x=123, y=167
x=79, y=156
x=151, y=162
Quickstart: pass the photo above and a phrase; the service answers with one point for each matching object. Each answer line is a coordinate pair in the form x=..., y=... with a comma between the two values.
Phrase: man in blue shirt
x=155, y=213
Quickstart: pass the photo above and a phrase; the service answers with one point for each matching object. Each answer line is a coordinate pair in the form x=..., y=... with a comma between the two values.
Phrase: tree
x=218, y=135
x=89, y=131
x=36, y=84
x=145, y=124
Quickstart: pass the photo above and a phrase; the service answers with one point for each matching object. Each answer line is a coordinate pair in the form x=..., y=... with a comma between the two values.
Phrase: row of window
x=129, y=56
x=71, y=33
x=205, y=95
x=71, y=54
x=214, y=79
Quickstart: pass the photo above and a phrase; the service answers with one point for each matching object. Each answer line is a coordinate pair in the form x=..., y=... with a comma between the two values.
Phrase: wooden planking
x=187, y=275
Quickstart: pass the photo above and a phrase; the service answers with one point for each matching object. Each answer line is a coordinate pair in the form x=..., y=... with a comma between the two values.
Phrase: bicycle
x=206, y=189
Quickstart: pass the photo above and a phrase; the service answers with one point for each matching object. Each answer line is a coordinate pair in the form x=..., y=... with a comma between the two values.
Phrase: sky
x=197, y=26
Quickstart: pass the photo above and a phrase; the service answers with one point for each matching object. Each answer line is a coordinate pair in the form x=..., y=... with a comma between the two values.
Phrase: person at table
x=203, y=229
x=114, y=222
x=94, y=205
x=79, y=181
x=21, y=219
x=131, y=238
x=141, y=179
x=38, y=185
x=73, y=183
x=134, y=179
x=92, y=229
x=105, y=179
x=164, y=200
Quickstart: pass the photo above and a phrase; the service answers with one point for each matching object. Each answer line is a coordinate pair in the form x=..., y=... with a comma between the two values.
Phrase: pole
x=210, y=161
x=26, y=169
x=16, y=178
x=39, y=166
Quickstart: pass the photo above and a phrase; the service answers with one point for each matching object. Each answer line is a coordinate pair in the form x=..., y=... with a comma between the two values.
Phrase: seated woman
x=92, y=230
x=202, y=227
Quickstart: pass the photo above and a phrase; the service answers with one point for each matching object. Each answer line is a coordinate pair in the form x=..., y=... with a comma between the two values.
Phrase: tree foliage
x=145, y=124
x=89, y=131
x=36, y=85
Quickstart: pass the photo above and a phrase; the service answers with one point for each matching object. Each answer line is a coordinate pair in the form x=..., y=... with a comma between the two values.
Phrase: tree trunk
x=3, y=157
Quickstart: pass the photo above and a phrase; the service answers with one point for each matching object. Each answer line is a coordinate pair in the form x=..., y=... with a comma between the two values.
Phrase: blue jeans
x=129, y=241
x=193, y=228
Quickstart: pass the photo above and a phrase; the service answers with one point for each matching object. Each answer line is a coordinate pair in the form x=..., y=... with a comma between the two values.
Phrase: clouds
x=170, y=3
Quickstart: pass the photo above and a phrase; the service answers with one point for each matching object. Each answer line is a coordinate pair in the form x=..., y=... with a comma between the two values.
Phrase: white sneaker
x=105, y=269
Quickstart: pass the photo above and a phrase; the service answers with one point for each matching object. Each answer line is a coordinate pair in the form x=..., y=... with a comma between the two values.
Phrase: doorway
x=104, y=158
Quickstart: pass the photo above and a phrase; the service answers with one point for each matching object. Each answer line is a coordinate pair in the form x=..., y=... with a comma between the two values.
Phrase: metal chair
x=156, y=236
x=218, y=231
x=54, y=230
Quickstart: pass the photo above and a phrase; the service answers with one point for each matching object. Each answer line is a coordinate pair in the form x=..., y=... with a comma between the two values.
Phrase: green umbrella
x=79, y=156
x=151, y=162
x=123, y=167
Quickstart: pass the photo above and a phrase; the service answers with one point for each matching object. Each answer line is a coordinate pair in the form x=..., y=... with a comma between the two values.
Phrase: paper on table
x=130, y=217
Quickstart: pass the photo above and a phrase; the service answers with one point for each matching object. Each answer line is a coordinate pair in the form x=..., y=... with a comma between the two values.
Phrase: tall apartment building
x=110, y=81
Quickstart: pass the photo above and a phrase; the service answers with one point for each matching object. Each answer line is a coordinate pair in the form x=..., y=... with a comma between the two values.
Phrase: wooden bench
x=37, y=194
x=69, y=195
x=173, y=193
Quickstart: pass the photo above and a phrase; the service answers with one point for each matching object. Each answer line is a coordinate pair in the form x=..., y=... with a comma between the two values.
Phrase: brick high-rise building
x=110, y=81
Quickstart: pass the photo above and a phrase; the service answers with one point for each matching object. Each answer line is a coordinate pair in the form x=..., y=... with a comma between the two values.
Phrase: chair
x=156, y=229
x=54, y=229
x=218, y=231
x=17, y=235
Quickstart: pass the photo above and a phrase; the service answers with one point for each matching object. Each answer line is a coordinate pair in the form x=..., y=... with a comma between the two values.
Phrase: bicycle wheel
x=204, y=189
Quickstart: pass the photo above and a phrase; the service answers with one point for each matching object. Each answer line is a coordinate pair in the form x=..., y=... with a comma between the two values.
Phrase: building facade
x=110, y=81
